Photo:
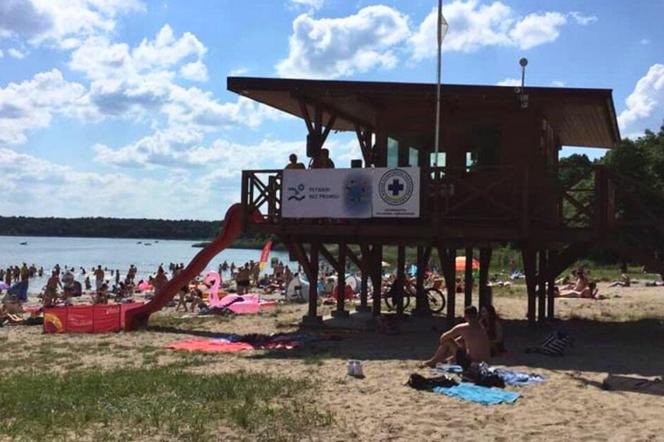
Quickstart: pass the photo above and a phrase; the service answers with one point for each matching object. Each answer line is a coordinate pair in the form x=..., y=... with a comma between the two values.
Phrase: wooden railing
x=497, y=196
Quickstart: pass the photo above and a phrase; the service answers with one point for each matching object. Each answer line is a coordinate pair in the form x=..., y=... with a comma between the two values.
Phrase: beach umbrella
x=460, y=264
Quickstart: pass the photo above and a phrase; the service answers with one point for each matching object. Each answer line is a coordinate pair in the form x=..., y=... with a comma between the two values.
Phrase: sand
x=612, y=336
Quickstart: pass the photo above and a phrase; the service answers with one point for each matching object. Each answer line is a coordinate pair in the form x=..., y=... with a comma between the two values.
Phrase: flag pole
x=440, y=44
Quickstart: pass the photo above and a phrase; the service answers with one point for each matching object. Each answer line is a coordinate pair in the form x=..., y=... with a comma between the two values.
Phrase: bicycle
x=433, y=296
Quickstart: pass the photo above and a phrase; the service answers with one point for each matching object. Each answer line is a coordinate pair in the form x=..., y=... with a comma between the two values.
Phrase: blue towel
x=517, y=378
x=480, y=395
x=449, y=368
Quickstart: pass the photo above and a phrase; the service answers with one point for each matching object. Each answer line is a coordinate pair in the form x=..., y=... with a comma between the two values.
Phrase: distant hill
x=121, y=228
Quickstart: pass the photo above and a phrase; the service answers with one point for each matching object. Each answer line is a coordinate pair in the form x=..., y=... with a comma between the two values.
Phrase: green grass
x=154, y=402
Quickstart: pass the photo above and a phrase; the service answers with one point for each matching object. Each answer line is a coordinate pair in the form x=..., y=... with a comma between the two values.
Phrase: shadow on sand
x=635, y=347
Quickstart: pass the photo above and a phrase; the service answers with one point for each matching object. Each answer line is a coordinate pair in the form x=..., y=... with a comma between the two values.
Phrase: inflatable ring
x=52, y=323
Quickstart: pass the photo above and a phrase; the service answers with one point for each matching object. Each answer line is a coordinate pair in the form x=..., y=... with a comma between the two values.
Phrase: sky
x=119, y=107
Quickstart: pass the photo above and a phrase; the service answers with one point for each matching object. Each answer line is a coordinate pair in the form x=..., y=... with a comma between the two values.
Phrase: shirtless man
x=99, y=278
x=51, y=293
x=580, y=288
x=160, y=280
x=465, y=343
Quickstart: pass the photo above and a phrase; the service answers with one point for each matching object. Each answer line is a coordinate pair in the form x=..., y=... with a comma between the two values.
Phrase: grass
x=132, y=403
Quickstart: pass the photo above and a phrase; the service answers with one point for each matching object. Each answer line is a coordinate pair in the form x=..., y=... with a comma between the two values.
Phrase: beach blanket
x=231, y=343
x=517, y=378
x=224, y=346
x=478, y=394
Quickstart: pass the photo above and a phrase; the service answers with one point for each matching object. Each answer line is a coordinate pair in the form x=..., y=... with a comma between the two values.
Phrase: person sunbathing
x=6, y=317
x=464, y=343
x=580, y=288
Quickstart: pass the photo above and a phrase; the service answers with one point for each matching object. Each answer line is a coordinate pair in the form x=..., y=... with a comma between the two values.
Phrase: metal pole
x=440, y=44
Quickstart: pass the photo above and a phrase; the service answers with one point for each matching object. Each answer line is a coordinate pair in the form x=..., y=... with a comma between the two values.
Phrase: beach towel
x=517, y=378
x=234, y=343
x=478, y=394
x=449, y=368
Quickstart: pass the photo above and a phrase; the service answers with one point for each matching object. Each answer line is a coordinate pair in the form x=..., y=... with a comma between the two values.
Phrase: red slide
x=232, y=227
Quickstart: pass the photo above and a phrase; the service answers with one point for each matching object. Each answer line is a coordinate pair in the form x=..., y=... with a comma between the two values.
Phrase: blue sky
x=119, y=107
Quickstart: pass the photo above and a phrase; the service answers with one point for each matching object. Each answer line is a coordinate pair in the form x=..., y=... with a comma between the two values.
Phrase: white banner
x=326, y=193
x=351, y=193
x=396, y=193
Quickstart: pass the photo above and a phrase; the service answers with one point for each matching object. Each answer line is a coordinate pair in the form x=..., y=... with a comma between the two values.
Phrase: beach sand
x=620, y=335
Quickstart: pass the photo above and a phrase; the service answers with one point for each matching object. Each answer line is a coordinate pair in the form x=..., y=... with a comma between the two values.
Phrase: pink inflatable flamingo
x=214, y=278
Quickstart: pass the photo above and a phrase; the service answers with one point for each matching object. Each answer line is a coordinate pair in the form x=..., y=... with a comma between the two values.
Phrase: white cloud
x=15, y=53
x=238, y=72
x=645, y=41
x=1, y=53
x=61, y=22
x=195, y=71
x=558, y=83
x=473, y=25
x=648, y=95
x=583, y=19
x=183, y=148
x=537, y=29
x=34, y=187
x=32, y=103
x=311, y=4
x=509, y=82
x=335, y=47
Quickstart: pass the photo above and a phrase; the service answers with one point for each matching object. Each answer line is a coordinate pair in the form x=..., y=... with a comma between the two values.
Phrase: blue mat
x=479, y=395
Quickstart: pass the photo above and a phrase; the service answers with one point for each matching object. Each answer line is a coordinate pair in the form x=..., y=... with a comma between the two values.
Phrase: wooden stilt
x=541, y=285
x=310, y=266
x=377, y=278
x=422, y=305
x=468, y=279
x=401, y=279
x=366, y=270
x=341, y=283
x=485, y=264
x=530, y=269
x=448, y=265
x=551, y=289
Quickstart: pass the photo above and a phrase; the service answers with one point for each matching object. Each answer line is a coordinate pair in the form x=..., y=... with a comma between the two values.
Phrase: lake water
x=111, y=253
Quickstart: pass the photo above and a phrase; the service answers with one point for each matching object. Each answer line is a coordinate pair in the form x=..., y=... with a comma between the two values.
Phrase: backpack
x=479, y=374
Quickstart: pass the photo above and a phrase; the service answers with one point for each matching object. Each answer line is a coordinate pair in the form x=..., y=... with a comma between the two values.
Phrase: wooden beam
x=329, y=257
x=358, y=261
x=448, y=266
x=328, y=128
x=551, y=288
x=305, y=115
x=541, y=286
x=297, y=250
x=313, y=280
x=485, y=264
x=377, y=279
x=401, y=279
x=530, y=269
x=341, y=283
x=468, y=279
x=420, y=301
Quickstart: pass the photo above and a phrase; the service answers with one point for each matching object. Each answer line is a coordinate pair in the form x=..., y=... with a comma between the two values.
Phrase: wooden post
x=341, y=284
x=541, y=285
x=485, y=263
x=551, y=289
x=468, y=280
x=311, y=269
x=422, y=305
x=366, y=270
x=377, y=277
x=401, y=279
x=448, y=265
x=530, y=269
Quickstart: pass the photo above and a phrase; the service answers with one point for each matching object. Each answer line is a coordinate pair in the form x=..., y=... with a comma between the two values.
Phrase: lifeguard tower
x=497, y=181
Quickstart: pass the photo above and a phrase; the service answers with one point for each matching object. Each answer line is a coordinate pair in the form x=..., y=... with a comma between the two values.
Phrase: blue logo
x=395, y=187
x=296, y=193
x=357, y=194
